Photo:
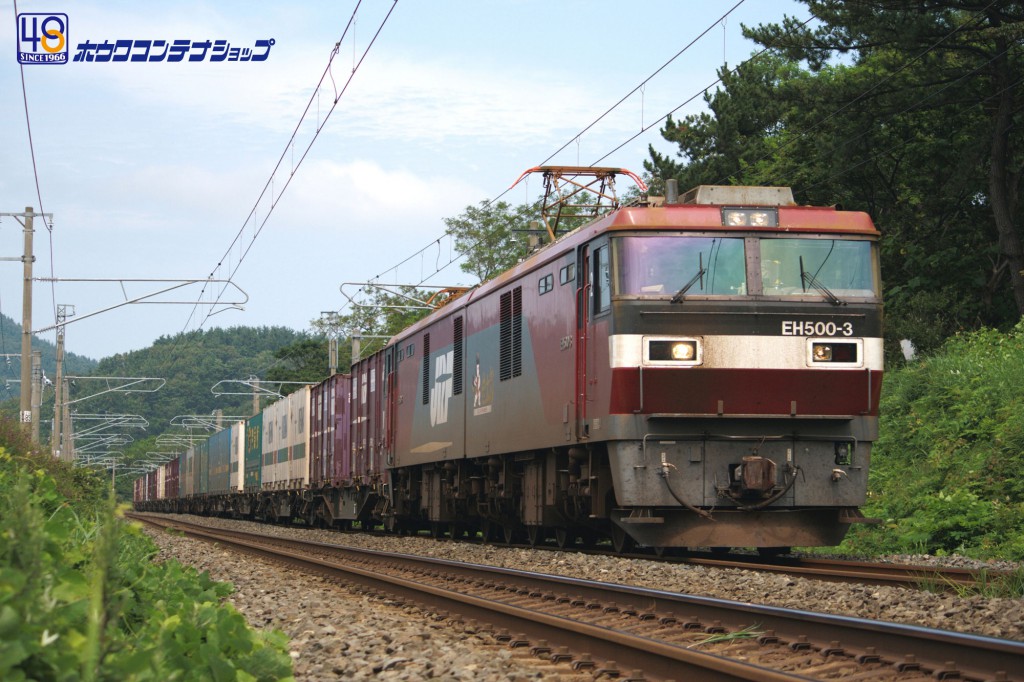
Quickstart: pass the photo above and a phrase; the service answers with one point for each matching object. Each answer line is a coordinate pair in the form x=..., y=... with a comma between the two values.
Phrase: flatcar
x=695, y=371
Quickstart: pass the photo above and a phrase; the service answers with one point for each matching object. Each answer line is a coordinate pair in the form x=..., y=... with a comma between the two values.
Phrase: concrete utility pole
x=26, y=324
x=332, y=323
x=56, y=446
x=255, y=380
x=27, y=259
x=36, y=392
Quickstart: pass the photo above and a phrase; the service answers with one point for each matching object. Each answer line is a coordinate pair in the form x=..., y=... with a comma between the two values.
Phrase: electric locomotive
x=695, y=371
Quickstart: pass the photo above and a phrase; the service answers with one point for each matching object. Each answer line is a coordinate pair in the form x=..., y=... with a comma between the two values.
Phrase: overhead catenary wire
x=35, y=175
x=646, y=128
x=321, y=121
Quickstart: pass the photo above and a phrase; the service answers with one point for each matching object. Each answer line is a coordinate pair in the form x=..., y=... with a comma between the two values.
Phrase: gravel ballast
x=339, y=634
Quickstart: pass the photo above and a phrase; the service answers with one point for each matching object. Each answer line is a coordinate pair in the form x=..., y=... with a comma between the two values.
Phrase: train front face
x=746, y=368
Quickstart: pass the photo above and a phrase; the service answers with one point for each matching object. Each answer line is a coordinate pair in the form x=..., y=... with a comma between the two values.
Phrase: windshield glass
x=804, y=266
x=665, y=265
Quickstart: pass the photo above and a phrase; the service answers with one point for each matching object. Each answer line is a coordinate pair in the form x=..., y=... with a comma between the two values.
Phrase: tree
x=965, y=54
x=901, y=125
x=305, y=360
x=491, y=236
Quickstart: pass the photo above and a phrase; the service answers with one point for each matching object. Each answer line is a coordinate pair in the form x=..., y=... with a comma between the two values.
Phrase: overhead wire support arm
x=208, y=422
x=443, y=296
x=254, y=385
x=146, y=299
x=127, y=387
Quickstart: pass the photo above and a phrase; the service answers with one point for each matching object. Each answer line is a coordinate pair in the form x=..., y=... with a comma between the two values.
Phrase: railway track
x=871, y=573
x=641, y=634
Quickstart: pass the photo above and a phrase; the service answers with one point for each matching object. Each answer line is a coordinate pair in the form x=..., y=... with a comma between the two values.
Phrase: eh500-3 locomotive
x=690, y=371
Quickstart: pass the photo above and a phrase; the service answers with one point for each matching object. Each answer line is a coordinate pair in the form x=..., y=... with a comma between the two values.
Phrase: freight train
x=691, y=371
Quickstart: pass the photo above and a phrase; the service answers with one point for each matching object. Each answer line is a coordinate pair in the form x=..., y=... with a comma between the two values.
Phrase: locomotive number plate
x=808, y=328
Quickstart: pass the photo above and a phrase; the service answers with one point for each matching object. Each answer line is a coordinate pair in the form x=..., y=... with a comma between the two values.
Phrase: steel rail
x=657, y=660
x=942, y=653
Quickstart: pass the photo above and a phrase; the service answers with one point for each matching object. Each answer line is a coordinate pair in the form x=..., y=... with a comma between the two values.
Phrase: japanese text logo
x=42, y=38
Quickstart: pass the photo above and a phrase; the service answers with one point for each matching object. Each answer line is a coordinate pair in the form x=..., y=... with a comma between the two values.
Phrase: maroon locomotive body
x=680, y=373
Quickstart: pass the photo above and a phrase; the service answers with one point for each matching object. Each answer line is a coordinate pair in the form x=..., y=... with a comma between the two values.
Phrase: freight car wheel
x=511, y=534
x=564, y=538
x=535, y=535
x=489, y=530
x=621, y=541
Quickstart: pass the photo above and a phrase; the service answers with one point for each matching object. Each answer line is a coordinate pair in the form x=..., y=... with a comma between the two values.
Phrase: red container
x=171, y=489
x=329, y=432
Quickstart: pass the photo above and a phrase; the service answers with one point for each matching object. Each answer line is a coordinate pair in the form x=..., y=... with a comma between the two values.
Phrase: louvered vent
x=510, y=362
x=426, y=369
x=457, y=360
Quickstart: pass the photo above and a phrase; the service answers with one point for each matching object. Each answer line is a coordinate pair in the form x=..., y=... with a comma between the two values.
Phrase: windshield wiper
x=807, y=278
x=701, y=271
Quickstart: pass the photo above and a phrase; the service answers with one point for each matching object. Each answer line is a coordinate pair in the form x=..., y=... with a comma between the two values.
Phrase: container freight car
x=695, y=371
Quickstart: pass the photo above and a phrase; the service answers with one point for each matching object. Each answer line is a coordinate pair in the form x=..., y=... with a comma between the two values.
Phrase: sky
x=152, y=169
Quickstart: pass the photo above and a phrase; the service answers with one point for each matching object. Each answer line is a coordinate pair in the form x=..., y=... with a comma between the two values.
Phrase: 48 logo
x=42, y=38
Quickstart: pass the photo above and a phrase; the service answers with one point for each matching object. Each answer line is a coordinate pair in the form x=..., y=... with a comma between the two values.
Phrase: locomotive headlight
x=835, y=352
x=672, y=351
x=684, y=350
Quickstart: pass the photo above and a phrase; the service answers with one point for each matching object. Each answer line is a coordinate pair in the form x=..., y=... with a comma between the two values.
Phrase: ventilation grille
x=457, y=359
x=426, y=369
x=511, y=329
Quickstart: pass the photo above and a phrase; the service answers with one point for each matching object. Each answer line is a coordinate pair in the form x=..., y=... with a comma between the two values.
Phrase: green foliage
x=10, y=370
x=305, y=360
x=906, y=114
x=945, y=470
x=191, y=363
x=382, y=312
x=81, y=599
x=491, y=236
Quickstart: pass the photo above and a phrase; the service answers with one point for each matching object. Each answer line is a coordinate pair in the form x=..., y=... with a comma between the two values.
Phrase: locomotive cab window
x=828, y=268
x=602, y=282
x=679, y=266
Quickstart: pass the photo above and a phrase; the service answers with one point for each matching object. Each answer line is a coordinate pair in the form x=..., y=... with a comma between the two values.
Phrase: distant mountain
x=191, y=363
x=10, y=367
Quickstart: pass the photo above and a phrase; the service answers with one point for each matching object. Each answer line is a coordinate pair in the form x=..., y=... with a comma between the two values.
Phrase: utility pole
x=332, y=325
x=36, y=392
x=25, y=406
x=255, y=381
x=26, y=323
x=59, y=389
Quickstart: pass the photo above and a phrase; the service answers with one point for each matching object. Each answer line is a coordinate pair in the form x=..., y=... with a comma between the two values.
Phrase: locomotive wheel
x=435, y=529
x=535, y=535
x=621, y=542
x=455, y=531
x=564, y=538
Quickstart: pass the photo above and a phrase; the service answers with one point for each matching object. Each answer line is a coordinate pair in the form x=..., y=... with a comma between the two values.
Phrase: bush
x=81, y=599
x=944, y=470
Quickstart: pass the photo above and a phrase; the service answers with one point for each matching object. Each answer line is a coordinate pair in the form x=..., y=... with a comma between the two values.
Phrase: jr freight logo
x=42, y=38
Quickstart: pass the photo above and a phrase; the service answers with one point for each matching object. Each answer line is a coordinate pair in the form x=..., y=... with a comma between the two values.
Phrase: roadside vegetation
x=81, y=598
x=945, y=473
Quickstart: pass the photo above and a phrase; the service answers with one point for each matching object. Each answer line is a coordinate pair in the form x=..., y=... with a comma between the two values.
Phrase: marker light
x=753, y=217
